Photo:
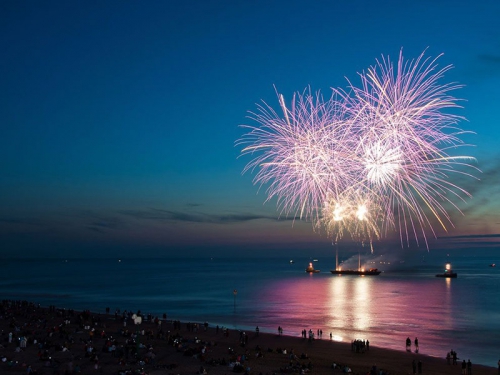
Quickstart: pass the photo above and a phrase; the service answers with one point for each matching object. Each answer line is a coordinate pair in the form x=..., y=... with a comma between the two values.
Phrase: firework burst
x=353, y=212
x=301, y=155
x=368, y=160
x=404, y=135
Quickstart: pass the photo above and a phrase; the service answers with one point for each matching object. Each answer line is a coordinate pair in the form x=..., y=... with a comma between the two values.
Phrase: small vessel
x=291, y=261
x=493, y=265
x=448, y=273
x=310, y=269
x=360, y=271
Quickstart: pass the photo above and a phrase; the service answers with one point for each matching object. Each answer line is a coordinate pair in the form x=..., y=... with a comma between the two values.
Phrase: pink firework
x=367, y=161
x=404, y=134
x=354, y=212
x=302, y=154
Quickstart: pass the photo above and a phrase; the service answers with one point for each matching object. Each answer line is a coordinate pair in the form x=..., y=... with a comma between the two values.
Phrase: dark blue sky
x=119, y=118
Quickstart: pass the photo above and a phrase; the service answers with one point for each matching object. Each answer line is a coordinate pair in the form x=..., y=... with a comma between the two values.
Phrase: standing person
x=454, y=356
x=416, y=345
x=408, y=344
x=419, y=366
x=464, y=367
x=469, y=367
x=499, y=366
x=414, y=366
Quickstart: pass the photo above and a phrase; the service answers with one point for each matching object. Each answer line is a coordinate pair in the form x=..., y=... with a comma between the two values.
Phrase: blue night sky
x=119, y=118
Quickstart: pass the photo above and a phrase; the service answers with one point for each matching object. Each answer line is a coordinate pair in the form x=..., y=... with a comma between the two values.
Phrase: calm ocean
x=405, y=300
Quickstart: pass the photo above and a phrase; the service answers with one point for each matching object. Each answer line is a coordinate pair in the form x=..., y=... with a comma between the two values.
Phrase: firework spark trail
x=303, y=156
x=352, y=212
x=403, y=109
x=381, y=147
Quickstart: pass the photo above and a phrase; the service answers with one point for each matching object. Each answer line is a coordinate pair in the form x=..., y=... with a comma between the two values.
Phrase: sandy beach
x=50, y=340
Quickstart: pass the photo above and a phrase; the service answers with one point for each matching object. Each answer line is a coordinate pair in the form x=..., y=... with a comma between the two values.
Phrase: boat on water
x=360, y=271
x=493, y=265
x=448, y=272
x=310, y=269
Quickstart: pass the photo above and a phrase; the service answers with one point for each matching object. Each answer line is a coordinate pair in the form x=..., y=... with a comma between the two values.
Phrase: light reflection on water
x=382, y=309
x=348, y=304
x=461, y=314
x=362, y=306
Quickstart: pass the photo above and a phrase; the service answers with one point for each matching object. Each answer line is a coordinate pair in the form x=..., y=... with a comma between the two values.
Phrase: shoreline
x=110, y=343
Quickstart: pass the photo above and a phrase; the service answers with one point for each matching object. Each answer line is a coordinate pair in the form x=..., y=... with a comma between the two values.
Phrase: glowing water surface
x=461, y=314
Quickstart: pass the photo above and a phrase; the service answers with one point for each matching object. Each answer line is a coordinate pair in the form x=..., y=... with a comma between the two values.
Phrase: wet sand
x=58, y=341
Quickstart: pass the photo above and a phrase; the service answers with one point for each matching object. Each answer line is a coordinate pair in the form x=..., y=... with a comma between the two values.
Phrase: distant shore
x=60, y=341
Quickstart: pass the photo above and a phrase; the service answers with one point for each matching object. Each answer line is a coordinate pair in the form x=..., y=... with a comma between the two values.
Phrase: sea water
x=405, y=300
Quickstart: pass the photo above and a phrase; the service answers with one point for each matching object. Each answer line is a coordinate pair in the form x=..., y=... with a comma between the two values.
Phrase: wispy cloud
x=482, y=66
x=195, y=217
x=486, y=190
x=492, y=59
x=98, y=221
x=474, y=236
x=95, y=229
x=22, y=221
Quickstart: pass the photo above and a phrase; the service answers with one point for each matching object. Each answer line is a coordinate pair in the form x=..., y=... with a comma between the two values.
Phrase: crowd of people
x=59, y=341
